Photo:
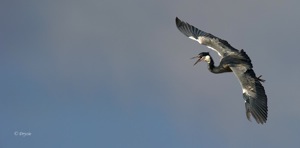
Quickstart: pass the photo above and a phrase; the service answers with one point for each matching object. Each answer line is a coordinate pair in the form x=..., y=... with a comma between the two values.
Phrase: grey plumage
x=222, y=47
x=239, y=63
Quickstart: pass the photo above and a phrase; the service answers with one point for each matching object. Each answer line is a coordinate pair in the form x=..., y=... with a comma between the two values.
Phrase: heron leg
x=260, y=79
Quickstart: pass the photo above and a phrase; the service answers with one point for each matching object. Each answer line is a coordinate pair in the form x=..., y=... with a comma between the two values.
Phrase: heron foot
x=260, y=79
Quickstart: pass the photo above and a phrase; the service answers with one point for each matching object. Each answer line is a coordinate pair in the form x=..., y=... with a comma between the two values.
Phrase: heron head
x=203, y=56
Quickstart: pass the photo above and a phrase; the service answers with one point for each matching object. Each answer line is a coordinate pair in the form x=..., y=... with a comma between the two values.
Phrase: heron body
x=232, y=60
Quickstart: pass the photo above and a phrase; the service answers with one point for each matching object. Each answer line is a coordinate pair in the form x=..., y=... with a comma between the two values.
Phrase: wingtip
x=248, y=114
x=177, y=21
x=258, y=120
x=250, y=111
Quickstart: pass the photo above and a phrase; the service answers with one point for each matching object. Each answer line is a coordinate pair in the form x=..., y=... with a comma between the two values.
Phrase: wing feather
x=253, y=94
x=253, y=91
x=221, y=46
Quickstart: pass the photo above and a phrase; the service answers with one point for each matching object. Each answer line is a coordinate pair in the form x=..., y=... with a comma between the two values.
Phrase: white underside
x=214, y=50
x=191, y=37
x=200, y=41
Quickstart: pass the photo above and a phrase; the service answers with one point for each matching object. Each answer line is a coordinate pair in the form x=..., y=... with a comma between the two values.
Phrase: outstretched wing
x=253, y=93
x=222, y=47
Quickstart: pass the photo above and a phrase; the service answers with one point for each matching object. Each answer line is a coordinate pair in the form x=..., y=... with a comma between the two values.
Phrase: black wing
x=253, y=93
x=222, y=47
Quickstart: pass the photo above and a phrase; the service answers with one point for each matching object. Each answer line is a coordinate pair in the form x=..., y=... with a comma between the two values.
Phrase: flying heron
x=232, y=60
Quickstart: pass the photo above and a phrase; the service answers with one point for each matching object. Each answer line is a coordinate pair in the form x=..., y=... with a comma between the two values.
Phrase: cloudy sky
x=118, y=74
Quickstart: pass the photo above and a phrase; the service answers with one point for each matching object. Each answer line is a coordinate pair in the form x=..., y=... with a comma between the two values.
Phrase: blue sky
x=118, y=74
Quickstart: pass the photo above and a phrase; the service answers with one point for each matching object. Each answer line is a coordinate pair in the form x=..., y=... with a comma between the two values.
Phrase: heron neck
x=211, y=65
x=212, y=68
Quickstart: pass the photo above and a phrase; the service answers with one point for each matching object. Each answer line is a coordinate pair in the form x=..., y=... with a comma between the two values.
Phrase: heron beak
x=199, y=59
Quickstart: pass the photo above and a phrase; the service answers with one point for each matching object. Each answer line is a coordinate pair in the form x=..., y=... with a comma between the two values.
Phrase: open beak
x=199, y=59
